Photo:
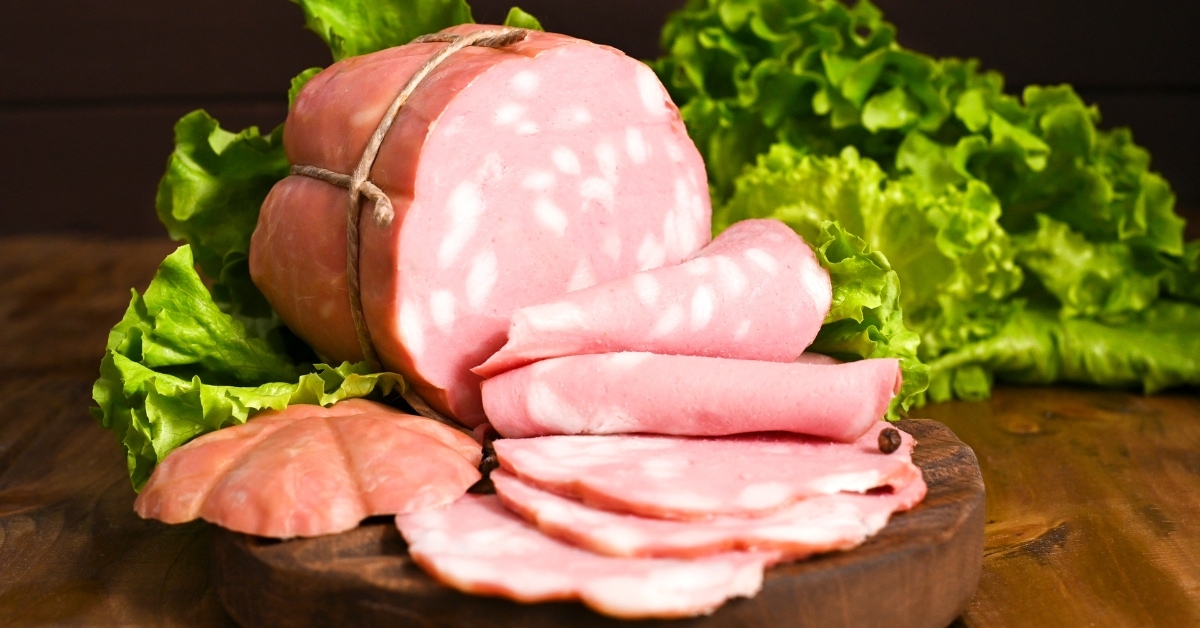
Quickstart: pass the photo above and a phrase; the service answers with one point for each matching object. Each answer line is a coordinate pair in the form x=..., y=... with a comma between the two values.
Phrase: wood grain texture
x=365, y=577
x=1092, y=506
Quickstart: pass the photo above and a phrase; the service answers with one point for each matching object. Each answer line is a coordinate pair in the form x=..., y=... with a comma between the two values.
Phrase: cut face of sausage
x=818, y=524
x=477, y=546
x=515, y=178
x=674, y=477
x=617, y=393
x=755, y=293
x=308, y=471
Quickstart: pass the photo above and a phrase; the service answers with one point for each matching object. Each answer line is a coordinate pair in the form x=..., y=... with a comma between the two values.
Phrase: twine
x=359, y=184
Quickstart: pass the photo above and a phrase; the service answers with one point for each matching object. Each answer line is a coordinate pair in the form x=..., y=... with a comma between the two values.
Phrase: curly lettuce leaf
x=358, y=27
x=955, y=264
x=210, y=196
x=865, y=319
x=518, y=18
x=177, y=367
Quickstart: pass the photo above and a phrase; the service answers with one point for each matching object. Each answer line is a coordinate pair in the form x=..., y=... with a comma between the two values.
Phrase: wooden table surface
x=1093, y=496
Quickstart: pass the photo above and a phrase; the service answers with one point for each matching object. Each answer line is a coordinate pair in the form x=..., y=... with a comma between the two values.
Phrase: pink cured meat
x=617, y=393
x=477, y=546
x=755, y=293
x=308, y=471
x=674, y=477
x=818, y=524
x=514, y=180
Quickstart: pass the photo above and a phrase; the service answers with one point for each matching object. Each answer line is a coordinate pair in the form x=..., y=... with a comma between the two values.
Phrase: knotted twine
x=360, y=185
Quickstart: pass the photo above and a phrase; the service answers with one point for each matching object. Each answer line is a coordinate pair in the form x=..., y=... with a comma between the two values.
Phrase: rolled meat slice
x=617, y=393
x=689, y=478
x=818, y=524
x=477, y=546
x=513, y=180
x=308, y=471
x=755, y=293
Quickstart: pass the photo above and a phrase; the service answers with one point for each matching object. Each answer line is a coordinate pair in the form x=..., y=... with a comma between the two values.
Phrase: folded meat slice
x=513, y=180
x=618, y=393
x=690, y=478
x=818, y=524
x=308, y=471
x=756, y=292
x=477, y=546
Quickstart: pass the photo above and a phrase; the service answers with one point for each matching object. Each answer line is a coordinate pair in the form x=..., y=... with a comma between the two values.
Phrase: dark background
x=90, y=89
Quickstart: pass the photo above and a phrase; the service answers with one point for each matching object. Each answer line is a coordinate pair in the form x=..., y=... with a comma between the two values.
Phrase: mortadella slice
x=513, y=180
x=618, y=393
x=477, y=546
x=689, y=478
x=308, y=471
x=755, y=293
x=818, y=524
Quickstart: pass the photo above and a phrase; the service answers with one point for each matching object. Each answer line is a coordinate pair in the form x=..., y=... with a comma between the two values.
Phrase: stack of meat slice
x=664, y=446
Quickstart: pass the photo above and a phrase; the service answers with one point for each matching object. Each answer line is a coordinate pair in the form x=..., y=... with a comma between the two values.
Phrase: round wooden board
x=920, y=571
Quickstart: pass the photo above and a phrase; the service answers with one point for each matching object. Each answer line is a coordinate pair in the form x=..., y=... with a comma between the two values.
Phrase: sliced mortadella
x=617, y=393
x=308, y=471
x=818, y=524
x=756, y=293
x=689, y=478
x=477, y=546
x=513, y=180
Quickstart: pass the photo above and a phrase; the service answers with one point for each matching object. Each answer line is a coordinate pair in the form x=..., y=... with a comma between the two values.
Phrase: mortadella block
x=616, y=393
x=691, y=478
x=477, y=546
x=513, y=179
x=308, y=471
x=755, y=293
x=818, y=524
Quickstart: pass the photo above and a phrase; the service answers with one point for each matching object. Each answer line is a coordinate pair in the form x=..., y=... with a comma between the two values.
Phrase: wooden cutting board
x=920, y=571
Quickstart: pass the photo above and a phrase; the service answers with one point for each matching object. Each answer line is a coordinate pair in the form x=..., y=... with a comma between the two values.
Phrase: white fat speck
x=671, y=232
x=764, y=495
x=550, y=216
x=703, y=304
x=860, y=482
x=539, y=180
x=547, y=408
x=582, y=277
x=674, y=153
x=654, y=98
x=441, y=309
x=733, y=280
x=816, y=282
x=555, y=317
x=481, y=279
x=465, y=207
x=627, y=359
x=566, y=160
x=607, y=158
x=742, y=330
x=508, y=113
x=412, y=330
x=668, y=322
x=662, y=468
x=698, y=266
x=647, y=289
x=455, y=126
x=763, y=260
x=364, y=119
x=683, y=195
x=651, y=253
x=599, y=191
x=524, y=83
x=574, y=117
x=635, y=145
x=527, y=128
x=610, y=244
x=699, y=208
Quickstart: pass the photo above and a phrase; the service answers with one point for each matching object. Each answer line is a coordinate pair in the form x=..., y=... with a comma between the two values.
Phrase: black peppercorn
x=889, y=440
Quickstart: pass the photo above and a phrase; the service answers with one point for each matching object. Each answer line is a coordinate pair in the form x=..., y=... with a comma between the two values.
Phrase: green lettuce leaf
x=177, y=367
x=359, y=27
x=210, y=196
x=865, y=318
x=518, y=18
